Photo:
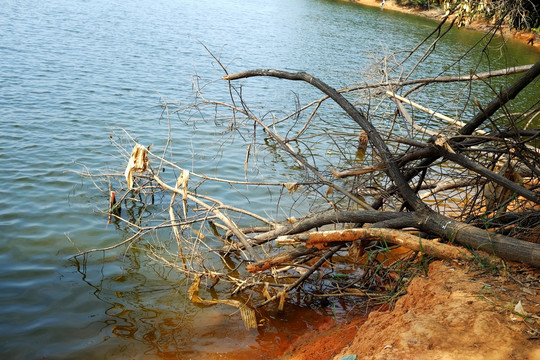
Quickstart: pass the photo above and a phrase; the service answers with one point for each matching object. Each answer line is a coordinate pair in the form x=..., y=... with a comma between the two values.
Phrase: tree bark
x=340, y=217
x=503, y=246
x=327, y=239
x=431, y=221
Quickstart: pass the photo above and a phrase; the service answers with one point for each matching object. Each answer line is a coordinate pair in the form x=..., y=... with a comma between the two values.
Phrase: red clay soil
x=325, y=343
x=457, y=312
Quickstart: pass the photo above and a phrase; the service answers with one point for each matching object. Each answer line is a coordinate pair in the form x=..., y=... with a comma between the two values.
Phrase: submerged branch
x=402, y=164
x=224, y=218
x=373, y=135
x=304, y=276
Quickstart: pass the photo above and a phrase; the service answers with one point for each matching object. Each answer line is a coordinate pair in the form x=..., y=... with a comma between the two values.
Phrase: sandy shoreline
x=436, y=13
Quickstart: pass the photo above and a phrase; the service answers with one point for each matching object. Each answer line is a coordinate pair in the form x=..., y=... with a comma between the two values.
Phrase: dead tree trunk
x=429, y=220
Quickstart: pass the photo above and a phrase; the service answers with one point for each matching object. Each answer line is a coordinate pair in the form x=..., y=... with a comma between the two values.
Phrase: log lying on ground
x=340, y=217
x=503, y=246
x=328, y=239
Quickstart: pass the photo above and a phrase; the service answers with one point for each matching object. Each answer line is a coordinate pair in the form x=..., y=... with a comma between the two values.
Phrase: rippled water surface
x=74, y=72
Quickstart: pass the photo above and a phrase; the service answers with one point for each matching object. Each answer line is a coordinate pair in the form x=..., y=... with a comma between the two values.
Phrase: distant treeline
x=518, y=14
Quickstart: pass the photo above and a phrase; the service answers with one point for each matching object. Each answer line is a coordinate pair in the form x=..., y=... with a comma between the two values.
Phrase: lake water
x=71, y=74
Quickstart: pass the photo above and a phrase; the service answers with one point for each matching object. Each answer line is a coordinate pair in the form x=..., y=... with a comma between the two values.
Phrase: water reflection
x=152, y=315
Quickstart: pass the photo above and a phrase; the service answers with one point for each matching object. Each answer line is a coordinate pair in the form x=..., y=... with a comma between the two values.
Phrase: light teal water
x=71, y=73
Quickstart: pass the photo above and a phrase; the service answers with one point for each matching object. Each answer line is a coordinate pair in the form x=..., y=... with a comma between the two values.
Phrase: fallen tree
x=457, y=191
x=429, y=220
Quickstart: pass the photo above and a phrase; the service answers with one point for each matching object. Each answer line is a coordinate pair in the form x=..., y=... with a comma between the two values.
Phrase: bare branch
x=373, y=135
x=506, y=95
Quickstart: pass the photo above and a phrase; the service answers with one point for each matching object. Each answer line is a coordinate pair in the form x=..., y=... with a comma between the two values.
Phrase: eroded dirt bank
x=436, y=13
x=456, y=312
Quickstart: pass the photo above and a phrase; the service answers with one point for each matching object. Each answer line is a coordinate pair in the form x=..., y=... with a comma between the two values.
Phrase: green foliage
x=518, y=14
x=485, y=263
x=420, y=3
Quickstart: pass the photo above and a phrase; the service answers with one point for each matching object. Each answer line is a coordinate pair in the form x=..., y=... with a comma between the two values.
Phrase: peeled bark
x=327, y=239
